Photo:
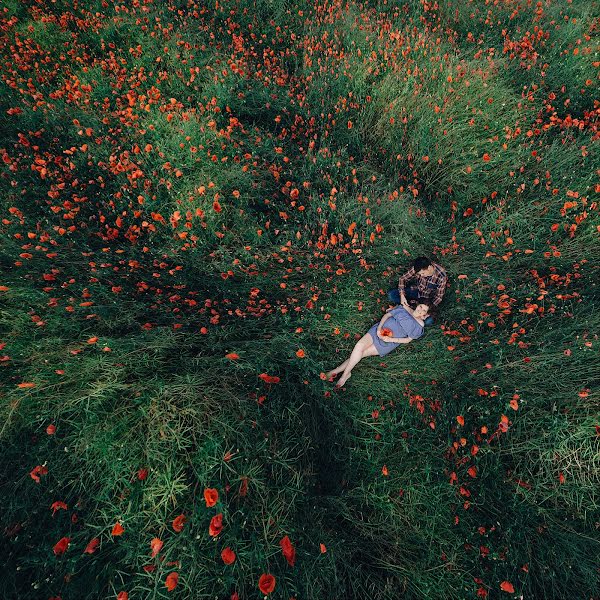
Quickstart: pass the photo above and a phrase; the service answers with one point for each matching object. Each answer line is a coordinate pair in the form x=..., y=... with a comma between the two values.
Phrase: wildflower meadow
x=203, y=206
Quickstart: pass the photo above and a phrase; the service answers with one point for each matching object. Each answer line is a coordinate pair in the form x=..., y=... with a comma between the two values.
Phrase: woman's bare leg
x=337, y=370
x=364, y=347
x=368, y=351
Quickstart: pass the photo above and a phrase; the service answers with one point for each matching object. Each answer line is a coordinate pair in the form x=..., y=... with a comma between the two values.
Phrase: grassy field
x=202, y=208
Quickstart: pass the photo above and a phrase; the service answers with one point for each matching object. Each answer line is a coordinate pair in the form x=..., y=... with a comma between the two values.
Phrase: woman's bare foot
x=343, y=380
x=331, y=375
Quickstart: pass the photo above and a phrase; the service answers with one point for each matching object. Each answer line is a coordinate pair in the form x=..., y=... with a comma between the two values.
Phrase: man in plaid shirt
x=430, y=284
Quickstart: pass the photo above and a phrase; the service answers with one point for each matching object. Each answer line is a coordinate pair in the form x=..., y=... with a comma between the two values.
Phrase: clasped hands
x=404, y=301
x=382, y=333
x=384, y=338
x=380, y=329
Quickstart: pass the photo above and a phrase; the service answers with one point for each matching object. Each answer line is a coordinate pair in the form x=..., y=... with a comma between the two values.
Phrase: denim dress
x=402, y=324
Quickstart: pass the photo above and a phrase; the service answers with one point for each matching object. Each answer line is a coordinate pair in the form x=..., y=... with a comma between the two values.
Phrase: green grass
x=341, y=141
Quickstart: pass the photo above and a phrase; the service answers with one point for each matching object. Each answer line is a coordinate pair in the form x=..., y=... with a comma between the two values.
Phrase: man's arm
x=402, y=281
x=441, y=288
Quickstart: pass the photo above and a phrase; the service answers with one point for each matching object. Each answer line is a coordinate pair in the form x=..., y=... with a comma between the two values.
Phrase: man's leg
x=410, y=292
x=394, y=295
x=412, y=295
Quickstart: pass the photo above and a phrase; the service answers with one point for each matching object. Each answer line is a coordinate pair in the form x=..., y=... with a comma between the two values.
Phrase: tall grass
x=214, y=230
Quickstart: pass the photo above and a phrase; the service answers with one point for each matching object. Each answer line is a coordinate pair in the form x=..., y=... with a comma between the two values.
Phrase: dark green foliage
x=196, y=200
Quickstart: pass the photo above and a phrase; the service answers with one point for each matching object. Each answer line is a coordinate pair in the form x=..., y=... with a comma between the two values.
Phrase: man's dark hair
x=421, y=263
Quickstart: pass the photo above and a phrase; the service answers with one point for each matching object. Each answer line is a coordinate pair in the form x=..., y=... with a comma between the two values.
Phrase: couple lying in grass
x=402, y=323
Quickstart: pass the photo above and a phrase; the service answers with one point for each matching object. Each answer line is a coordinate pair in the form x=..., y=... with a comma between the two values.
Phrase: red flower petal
x=266, y=583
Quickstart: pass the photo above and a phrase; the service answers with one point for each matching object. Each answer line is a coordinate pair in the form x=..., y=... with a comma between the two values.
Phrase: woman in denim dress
x=404, y=325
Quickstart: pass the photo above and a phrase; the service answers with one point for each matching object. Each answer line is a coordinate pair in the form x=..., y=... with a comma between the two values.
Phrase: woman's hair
x=421, y=263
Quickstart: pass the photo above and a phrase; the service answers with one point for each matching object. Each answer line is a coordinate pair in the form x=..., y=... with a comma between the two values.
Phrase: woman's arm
x=398, y=340
x=383, y=320
x=409, y=310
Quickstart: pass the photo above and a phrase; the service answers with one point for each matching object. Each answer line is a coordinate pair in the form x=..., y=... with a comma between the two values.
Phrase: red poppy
x=178, y=523
x=122, y=596
x=61, y=546
x=211, y=496
x=117, y=529
x=216, y=525
x=156, y=544
x=37, y=471
x=508, y=587
x=228, y=556
x=92, y=546
x=269, y=378
x=288, y=550
x=58, y=505
x=266, y=583
x=171, y=581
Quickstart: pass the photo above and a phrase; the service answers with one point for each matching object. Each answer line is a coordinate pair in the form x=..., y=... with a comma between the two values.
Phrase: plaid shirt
x=431, y=288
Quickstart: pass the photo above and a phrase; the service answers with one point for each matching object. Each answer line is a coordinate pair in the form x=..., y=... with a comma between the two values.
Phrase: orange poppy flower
x=228, y=556
x=211, y=496
x=92, y=546
x=216, y=525
x=266, y=583
x=156, y=545
x=61, y=546
x=178, y=523
x=269, y=378
x=171, y=581
x=288, y=550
